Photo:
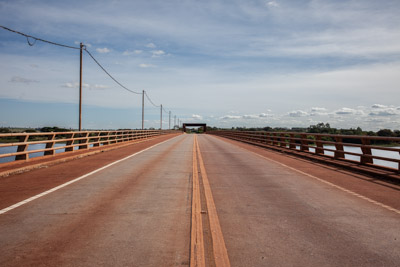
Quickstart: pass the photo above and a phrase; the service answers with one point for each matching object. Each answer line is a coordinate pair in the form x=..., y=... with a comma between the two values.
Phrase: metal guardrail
x=69, y=141
x=322, y=145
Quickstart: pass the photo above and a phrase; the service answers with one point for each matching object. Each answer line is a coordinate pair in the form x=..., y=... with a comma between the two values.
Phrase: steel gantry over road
x=170, y=199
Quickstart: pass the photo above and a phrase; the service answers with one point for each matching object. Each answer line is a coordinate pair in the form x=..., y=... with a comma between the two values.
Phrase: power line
x=148, y=98
x=37, y=39
x=87, y=51
x=67, y=46
x=28, y=37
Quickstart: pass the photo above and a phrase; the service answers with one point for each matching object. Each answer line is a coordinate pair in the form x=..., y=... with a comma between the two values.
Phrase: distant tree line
x=31, y=130
x=322, y=128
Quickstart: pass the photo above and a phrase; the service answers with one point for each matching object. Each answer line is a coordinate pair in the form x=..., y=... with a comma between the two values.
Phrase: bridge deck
x=273, y=210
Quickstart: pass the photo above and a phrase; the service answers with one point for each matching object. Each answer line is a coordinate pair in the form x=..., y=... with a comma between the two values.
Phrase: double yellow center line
x=197, y=256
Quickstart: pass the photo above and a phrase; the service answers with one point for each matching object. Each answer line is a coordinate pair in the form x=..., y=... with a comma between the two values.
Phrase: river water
x=375, y=152
x=12, y=149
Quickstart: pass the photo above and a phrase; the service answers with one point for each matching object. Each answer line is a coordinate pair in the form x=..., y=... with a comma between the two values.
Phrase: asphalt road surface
x=271, y=210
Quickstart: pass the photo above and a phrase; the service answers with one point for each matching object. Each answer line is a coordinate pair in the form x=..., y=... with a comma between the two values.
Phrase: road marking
x=77, y=179
x=329, y=183
x=219, y=249
x=197, y=257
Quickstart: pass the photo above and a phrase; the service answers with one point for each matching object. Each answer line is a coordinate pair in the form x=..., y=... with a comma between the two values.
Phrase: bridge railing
x=19, y=146
x=364, y=150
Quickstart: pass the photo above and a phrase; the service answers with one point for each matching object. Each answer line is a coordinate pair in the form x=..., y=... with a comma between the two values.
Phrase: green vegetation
x=13, y=139
x=53, y=129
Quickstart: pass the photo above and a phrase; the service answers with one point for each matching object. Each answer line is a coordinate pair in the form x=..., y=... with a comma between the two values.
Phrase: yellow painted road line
x=219, y=249
x=197, y=257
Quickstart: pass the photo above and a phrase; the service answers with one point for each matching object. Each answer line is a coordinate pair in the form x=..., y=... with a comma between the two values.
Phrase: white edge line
x=76, y=179
x=336, y=186
x=329, y=183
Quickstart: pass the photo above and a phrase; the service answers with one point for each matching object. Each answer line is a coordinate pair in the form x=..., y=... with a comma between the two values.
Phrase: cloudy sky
x=224, y=62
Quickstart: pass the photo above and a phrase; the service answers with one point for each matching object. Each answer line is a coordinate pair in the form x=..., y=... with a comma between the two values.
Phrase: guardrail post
x=320, y=147
x=268, y=138
x=110, y=138
x=366, y=152
x=85, y=141
x=274, y=139
x=339, y=153
x=22, y=148
x=70, y=142
x=96, y=140
x=262, y=137
x=292, y=142
x=50, y=145
x=283, y=140
x=136, y=135
x=304, y=143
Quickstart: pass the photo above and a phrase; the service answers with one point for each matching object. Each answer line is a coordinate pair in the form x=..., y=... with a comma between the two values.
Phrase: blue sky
x=226, y=63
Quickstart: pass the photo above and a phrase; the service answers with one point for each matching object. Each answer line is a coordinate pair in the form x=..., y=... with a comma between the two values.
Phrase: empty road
x=189, y=199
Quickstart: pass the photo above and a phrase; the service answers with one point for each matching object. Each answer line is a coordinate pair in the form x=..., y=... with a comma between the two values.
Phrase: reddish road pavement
x=137, y=212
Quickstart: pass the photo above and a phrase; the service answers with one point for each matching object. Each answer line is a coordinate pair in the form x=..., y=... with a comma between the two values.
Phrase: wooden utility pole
x=169, y=121
x=80, y=90
x=161, y=117
x=143, y=110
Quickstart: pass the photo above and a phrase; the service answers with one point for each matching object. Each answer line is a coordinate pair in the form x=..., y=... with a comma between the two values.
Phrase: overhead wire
x=115, y=80
x=148, y=98
x=37, y=39
x=87, y=51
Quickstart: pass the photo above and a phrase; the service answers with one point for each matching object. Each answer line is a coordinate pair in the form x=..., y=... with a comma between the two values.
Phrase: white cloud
x=197, y=117
x=18, y=79
x=264, y=115
x=346, y=111
x=250, y=117
x=75, y=85
x=158, y=53
x=99, y=86
x=317, y=109
x=103, y=50
x=272, y=4
x=134, y=52
x=383, y=113
x=235, y=46
x=144, y=65
x=298, y=113
x=230, y=117
x=151, y=45
x=85, y=85
x=378, y=106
